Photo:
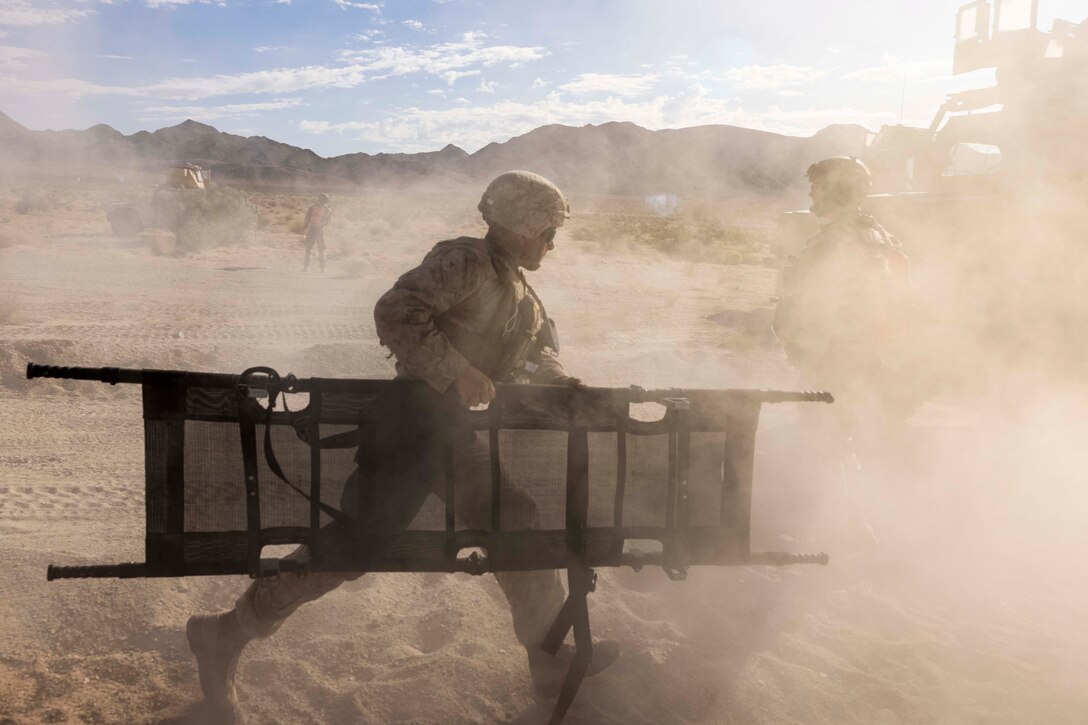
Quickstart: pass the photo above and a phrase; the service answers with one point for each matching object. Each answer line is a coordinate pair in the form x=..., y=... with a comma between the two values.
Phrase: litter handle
x=100, y=375
x=96, y=571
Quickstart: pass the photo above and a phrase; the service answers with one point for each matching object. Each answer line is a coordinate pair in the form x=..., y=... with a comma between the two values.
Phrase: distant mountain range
x=612, y=158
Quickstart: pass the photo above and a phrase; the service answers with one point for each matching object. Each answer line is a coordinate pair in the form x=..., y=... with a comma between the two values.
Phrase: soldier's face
x=536, y=247
x=820, y=194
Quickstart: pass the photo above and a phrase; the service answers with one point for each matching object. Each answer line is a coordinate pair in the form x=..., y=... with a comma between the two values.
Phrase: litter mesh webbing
x=534, y=462
x=533, y=473
x=215, y=493
x=647, y=480
x=705, y=460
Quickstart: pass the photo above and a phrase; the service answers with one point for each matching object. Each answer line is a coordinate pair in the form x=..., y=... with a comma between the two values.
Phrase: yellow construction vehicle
x=181, y=184
x=185, y=203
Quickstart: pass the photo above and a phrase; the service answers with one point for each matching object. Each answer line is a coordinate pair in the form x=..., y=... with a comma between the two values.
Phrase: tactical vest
x=519, y=329
x=317, y=215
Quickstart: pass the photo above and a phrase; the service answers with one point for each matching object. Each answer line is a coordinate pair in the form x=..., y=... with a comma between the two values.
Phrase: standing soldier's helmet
x=844, y=172
x=524, y=203
x=322, y=198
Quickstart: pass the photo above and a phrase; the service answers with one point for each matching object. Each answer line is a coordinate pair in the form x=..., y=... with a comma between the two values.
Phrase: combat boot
x=548, y=672
x=217, y=640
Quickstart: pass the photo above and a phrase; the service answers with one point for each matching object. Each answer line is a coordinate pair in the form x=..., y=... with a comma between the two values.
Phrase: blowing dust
x=965, y=605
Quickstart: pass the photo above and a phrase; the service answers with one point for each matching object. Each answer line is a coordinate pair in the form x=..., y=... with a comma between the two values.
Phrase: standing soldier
x=846, y=311
x=465, y=318
x=318, y=217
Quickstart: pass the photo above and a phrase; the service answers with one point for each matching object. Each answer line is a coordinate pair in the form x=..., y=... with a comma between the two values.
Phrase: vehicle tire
x=125, y=221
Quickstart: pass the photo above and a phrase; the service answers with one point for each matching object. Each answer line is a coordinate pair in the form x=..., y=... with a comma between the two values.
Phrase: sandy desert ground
x=972, y=610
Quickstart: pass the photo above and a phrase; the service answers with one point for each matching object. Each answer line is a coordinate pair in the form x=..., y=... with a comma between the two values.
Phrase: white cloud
x=472, y=127
x=176, y=3
x=620, y=85
x=771, y=77
x=60, y=86
x=285, y=80
x=269, y=48
x=452, y=76
x=208, y=113
x=893, y=70
x=280, y=80
x=372, y=35
x=441, y=58
x=539, y=83
x=486, y=86
x=12, y=58
x=413, y=24
x=436, y=92
x=25, y=13
x=372, y=7
x=448, y=61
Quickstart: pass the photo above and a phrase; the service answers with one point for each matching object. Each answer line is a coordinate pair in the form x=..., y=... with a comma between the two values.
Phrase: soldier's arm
x=405, y=315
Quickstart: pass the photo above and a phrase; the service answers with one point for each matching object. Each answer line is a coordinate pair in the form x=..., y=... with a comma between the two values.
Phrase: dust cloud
x=969, y=608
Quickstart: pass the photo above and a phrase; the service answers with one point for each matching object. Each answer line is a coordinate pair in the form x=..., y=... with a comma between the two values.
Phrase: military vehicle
x=182, y=186
x=198, y=213
x=987, y=200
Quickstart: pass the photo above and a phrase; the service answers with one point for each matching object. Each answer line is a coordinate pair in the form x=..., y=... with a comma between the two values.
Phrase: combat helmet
x=525, y=203
x=846, y=172
x=322, y=198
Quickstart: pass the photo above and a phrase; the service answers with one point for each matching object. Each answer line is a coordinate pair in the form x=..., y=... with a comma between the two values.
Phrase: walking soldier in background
x=848, y=309
x=318, y=217
x=461, y=321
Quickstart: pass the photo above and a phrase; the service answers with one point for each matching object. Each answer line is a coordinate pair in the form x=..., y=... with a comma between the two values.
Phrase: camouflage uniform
x=466, y=302
x=318, y=217
x=847, y=308
x=847, y=305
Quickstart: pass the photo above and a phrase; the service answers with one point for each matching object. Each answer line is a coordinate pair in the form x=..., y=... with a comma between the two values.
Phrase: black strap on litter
x=274, y=391
x=274, y=464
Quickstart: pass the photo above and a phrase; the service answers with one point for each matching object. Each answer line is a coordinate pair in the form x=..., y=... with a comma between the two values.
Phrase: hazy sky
x=341, y=76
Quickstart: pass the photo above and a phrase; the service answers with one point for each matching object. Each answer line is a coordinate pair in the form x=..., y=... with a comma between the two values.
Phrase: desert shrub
x=694, y=236
x=32, y=201
x=220, y=217
x=297, y=225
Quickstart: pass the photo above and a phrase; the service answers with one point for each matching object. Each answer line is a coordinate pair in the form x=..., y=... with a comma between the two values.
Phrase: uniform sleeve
x=405, y=315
